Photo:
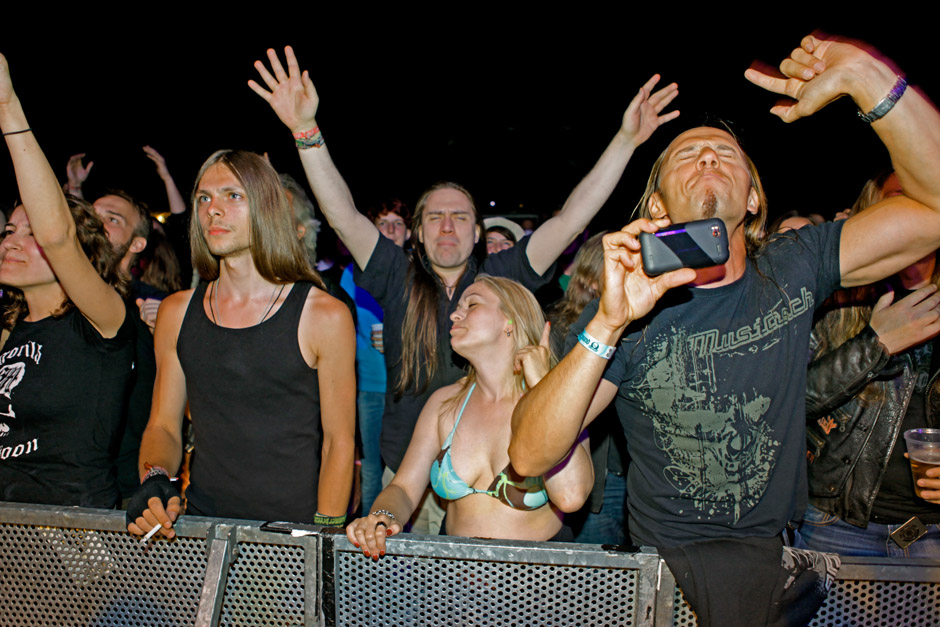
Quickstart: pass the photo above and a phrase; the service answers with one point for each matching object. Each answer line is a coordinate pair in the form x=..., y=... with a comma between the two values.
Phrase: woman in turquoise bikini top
x=460, y=443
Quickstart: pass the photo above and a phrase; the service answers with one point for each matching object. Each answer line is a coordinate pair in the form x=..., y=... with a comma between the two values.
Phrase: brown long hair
x=276, y=251
x=94, y=242
x=754, y=223
x=419, y=348
x=586, y=284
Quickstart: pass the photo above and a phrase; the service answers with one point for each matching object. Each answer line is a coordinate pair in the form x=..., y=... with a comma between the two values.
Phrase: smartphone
x=697, y=244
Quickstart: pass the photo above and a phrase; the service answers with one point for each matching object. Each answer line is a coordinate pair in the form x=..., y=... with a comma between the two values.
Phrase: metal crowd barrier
x=70, y=566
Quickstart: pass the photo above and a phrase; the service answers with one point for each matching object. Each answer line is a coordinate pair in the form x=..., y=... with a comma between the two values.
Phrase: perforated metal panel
x=877, y=603
x=404, y=590
x=58, y=576
x=683, y=616
x=860, y=604
x=265, y=586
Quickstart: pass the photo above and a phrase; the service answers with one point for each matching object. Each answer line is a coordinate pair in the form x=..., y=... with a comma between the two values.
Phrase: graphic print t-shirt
x=711, y=397
x=63, y=391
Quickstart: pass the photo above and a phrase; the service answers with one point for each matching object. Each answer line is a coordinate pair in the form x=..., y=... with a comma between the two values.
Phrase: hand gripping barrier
x=71, y=566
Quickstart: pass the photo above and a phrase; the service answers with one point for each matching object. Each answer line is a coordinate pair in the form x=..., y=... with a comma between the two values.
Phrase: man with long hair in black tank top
x=262, y=355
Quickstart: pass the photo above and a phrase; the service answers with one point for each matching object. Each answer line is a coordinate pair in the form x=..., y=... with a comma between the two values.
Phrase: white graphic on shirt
x=10, y=377
x=719, y=448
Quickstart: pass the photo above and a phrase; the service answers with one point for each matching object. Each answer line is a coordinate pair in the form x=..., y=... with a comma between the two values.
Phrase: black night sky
x=517, y=109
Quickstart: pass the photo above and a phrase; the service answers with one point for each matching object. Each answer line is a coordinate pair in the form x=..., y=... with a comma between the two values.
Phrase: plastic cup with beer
x=923, y=450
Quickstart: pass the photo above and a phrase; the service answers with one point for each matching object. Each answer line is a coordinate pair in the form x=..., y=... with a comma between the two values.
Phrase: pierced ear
x=656, y=206
x=138, y=244
x=753, y=202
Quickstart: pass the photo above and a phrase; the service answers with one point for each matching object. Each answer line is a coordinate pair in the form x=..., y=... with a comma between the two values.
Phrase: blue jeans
x=371, y=406
x=606, y=526
x=825, y=532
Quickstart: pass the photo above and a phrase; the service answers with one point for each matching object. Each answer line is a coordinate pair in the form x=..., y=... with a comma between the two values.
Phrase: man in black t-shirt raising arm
x=446, y=228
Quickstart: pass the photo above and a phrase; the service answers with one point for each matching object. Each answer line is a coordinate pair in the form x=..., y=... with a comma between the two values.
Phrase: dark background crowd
x=515, y=106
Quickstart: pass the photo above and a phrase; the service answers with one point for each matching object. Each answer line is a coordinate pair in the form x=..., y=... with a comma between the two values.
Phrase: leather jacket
x=850, y=438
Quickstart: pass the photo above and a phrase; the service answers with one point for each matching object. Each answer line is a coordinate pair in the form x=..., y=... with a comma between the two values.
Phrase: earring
x=508, y=333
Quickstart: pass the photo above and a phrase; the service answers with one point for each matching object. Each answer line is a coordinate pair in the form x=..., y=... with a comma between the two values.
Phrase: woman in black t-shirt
x=67, y=350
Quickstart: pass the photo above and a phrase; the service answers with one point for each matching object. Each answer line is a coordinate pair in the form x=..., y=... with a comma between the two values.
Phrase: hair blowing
x=419, y=348
x=276, y=251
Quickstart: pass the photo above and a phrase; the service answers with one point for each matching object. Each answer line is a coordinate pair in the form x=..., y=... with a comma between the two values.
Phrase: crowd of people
x=732, y=417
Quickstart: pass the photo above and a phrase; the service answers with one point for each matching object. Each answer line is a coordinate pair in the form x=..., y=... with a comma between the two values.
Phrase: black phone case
x=697, y=244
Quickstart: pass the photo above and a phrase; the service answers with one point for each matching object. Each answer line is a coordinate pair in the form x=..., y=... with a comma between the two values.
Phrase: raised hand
x=292, y=96
x=534, y=362
x=814, y=75
x=629, y=293
x=77, y=173
x=642, y=118
x=911, y=321
x=7, y=95
x=158, y=159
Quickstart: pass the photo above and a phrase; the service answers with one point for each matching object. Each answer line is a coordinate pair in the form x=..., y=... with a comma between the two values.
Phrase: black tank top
x=255, y=405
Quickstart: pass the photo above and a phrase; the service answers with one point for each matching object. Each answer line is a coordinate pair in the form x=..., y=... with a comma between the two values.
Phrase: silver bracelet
x=384, y=512
x=887, y=103
x=594, y=345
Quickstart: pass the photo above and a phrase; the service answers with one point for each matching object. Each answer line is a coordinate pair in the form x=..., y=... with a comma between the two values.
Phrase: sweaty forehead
x=448, y=199
x=701, y=134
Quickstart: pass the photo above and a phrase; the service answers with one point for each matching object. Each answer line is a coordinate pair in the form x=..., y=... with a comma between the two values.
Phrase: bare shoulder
x=442, y=395
x=324, y=306
x=325, y=324
x=171, y=313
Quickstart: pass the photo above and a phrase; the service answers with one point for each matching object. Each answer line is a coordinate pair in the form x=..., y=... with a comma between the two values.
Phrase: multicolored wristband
x=309, y=139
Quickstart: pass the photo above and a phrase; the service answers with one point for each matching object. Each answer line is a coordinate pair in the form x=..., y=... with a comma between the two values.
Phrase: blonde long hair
x=523, y=311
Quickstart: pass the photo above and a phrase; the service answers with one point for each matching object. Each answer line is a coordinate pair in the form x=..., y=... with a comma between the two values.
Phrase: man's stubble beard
x=709, y=205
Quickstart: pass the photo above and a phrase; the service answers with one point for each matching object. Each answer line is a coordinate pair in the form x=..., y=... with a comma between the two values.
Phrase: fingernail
x=366, y=553
x=381, y=553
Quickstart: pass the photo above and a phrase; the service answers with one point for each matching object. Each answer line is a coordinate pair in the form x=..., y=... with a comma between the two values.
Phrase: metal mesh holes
x=399, y=591
x=876, y=603
x=265, y=586
x=53, y=576
x=682, y=615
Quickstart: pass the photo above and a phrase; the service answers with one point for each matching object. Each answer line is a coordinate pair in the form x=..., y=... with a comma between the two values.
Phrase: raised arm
x=295, y=101
x=900, y=230
x=173, y=196
x=336, y=375
x=51, y=220
x=402, y=495
x=640, y=121
x=548, y=420
x=156, y=502
x=76, y=174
